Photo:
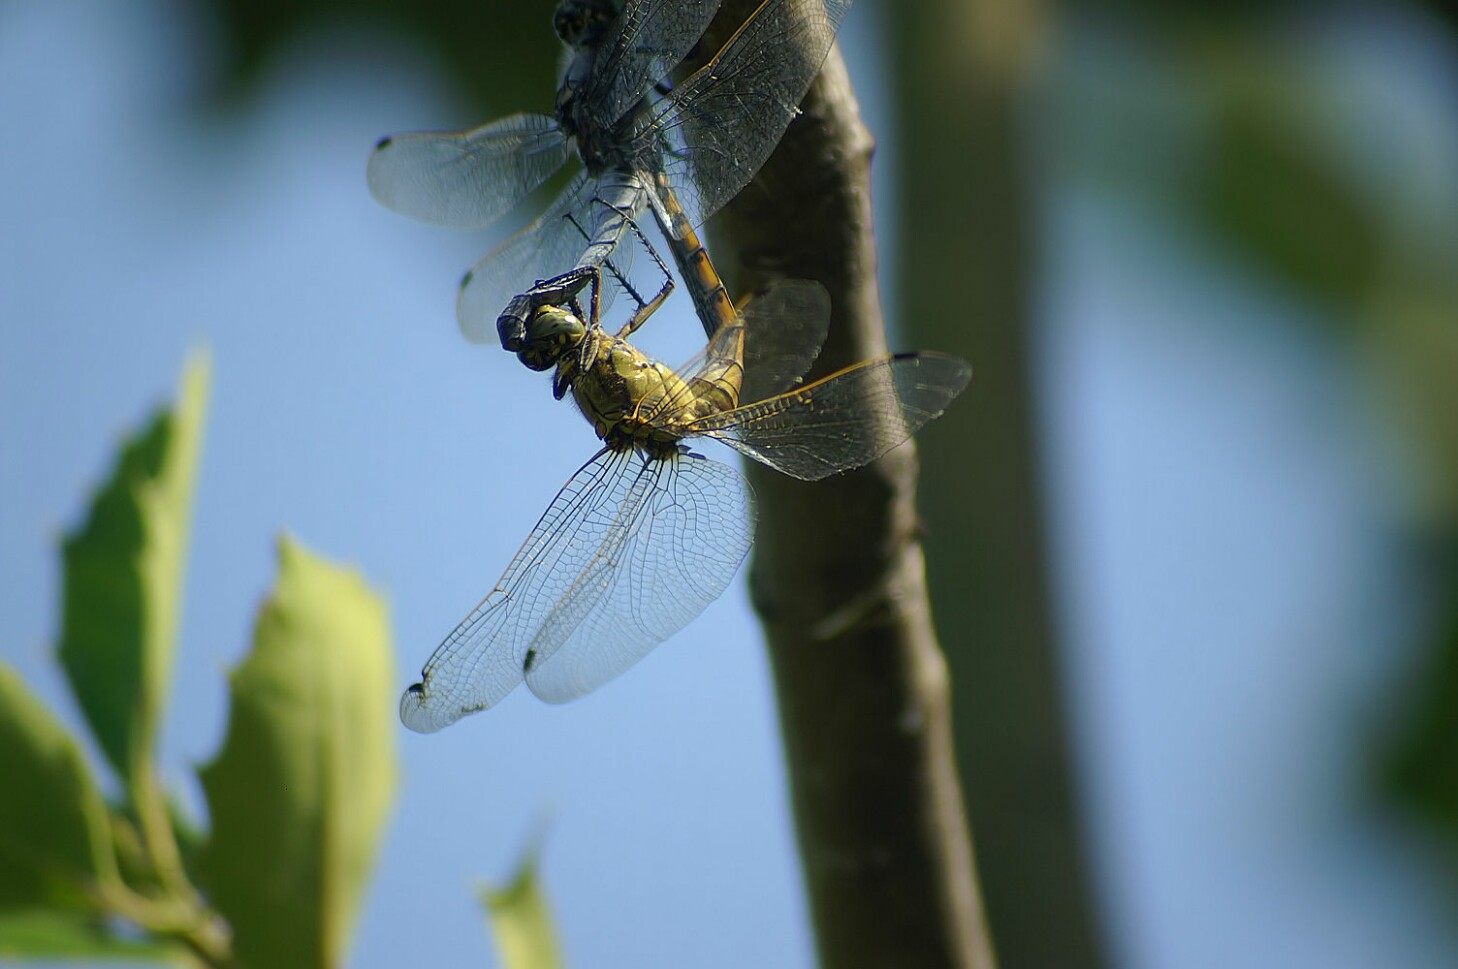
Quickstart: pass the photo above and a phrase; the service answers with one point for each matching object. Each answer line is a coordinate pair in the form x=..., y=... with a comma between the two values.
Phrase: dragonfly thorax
x=583, y=26
x=629, y=397
x=599, y=142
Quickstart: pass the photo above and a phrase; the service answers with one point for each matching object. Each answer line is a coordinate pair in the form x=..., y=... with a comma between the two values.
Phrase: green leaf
x=1272, y=189
x=123, y=581
x=301, y=791
x=49, y=934
x=521, y=920
x=506, y=53
x=1420, y=769
x=55, y=834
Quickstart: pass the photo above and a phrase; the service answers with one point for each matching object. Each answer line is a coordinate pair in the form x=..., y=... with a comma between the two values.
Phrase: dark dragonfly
x=681, y=152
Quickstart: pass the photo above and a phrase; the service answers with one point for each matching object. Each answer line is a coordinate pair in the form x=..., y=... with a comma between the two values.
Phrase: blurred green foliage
x=1422, y=768
x=1234, y=129
x=1270, y=192
x=299, y=795
x=501, y=57
x=308, y=768
x=521, y=919
x=1283, y=189
x=123, y=583
x=57, y=838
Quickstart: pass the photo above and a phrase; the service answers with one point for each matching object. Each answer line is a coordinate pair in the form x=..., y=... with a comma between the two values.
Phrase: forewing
x=785, y=327
x=649, y=39
x=484, y=658
x=722, y=122
x=846, y=420
x=466, y=179
x=548, y=247
x=676, y=532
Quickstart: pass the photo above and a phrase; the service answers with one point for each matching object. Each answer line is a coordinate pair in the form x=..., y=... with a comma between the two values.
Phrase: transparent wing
x=483, y=659
x=785, y=327
x=720, y=124
x=551, y=245
x=466, y=179
x=844, y=421
x=650, y=38
x=665, y=543
x=629, y=552
x=778, y=336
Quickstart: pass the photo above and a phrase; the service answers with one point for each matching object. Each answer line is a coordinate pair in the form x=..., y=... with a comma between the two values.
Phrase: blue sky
x=1194, y=421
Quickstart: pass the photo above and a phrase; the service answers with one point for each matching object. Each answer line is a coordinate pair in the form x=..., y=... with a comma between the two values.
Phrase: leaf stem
x=159, y=841
x=186, y=920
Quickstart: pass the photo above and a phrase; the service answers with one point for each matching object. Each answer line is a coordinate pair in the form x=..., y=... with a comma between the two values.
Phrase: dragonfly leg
x=595, y=301
x=612, y=268
x=647, y=309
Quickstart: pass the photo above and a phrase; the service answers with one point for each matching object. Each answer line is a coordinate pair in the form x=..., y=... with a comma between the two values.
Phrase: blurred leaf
x=502, y=57
x=65, y=935
x=1278, y=196
x=1412, y=342
x=1222, y=130
x=191, y=838
x=55, y=835
x=123, y=580
x=300, y=793
x=521, y=920
x=1447, y=10
x=1422, y=768
x=139, y=868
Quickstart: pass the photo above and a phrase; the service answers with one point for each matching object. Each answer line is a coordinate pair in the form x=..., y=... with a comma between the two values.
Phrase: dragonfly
x=679, y=151
x=648, y=532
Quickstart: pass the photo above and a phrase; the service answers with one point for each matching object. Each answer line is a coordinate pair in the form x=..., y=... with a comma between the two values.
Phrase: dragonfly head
x=582, y=23
x=553, y=331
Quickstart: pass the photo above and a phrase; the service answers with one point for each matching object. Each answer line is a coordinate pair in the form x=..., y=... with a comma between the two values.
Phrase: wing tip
x=954, y=372
x=416, y=713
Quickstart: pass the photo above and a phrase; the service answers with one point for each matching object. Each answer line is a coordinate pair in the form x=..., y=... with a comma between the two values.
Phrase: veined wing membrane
x=549, y=246
x=630, y=550
x=649, y=39
x=784, y=328
x=469, y=179
x=681, y=529
x=723, y=121
x=482, y=660
x=844, y=421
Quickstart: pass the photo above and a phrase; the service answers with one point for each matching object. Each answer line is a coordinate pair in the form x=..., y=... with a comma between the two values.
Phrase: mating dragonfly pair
x=647, y=533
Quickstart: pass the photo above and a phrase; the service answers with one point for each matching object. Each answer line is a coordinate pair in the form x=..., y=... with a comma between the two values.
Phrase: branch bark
x=837, y=577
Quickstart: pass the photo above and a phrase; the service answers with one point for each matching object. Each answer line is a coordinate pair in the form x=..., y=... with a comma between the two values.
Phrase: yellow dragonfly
x=647, y=533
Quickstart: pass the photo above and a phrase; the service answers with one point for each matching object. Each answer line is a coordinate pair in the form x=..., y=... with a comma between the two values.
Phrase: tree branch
x=837, y=577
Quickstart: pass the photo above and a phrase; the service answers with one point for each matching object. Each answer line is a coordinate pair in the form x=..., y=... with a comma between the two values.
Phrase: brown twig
x=837, y=577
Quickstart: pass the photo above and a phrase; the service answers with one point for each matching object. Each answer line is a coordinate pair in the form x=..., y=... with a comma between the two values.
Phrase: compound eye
x=552, y=324
x=569, y=24
x=536, y=359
